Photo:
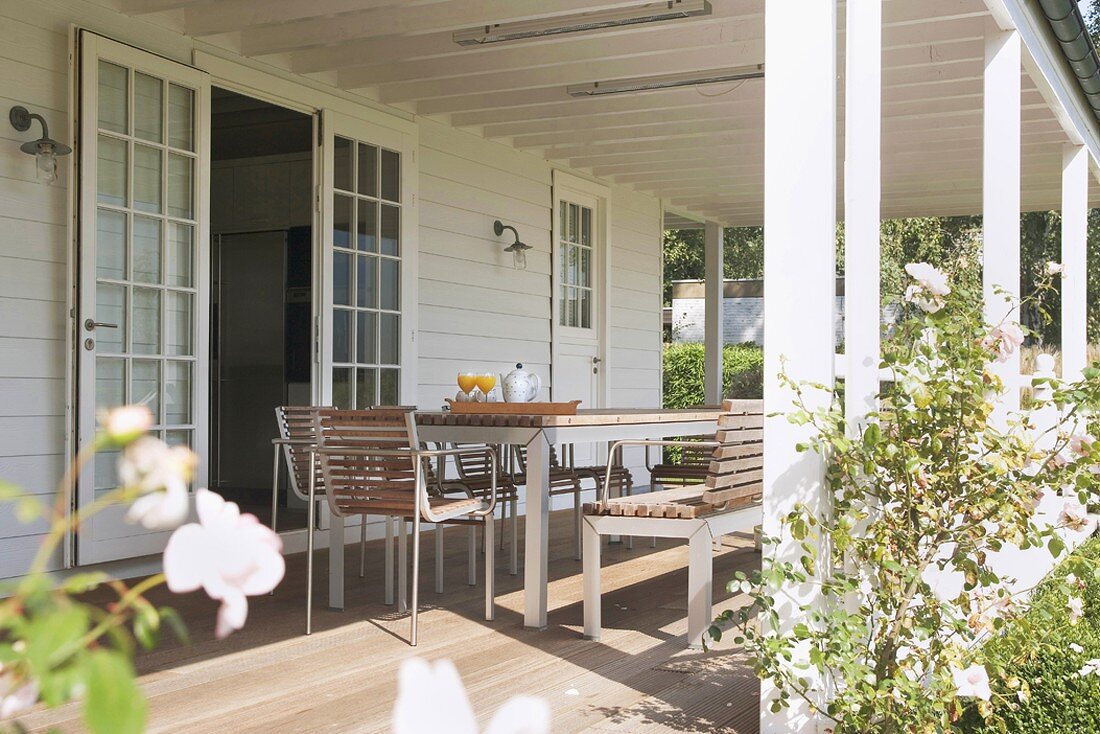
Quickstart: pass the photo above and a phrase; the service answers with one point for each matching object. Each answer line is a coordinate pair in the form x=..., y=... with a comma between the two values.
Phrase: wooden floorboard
x=639, y=677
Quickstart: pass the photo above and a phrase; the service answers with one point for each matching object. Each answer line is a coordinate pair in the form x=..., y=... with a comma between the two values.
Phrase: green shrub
x=742, y=373
x=1060, y=702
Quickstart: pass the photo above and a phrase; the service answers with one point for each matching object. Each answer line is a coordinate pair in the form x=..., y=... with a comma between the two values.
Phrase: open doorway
x=261, y=218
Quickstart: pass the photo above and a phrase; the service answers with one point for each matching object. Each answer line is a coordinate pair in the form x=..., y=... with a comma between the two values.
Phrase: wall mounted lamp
x=45, y=150
x=517, y=248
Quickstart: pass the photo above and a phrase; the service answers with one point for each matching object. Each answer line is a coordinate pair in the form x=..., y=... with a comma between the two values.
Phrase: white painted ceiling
x=699, y=149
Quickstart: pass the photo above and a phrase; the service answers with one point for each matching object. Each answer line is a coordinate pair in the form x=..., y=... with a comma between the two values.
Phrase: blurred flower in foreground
x=230, y=555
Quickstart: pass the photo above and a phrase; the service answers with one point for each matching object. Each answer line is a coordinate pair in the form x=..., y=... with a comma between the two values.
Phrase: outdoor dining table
x=538, y=433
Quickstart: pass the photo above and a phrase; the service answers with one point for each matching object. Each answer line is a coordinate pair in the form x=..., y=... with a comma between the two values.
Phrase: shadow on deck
x=270, y=677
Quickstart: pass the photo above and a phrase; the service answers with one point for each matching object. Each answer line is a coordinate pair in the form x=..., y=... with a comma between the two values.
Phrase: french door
x=367, y=294
x=142, y=302
x=579, y=300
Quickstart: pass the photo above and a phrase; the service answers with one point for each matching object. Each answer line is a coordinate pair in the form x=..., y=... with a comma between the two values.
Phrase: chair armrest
x=419, y=455
x=293, y=441
x=647, y=443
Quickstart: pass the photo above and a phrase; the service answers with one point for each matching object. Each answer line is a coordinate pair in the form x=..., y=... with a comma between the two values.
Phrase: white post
x=1075, y=213
x=800, y=109
x=715, y=280
x=862, y=213
x=1001, y=192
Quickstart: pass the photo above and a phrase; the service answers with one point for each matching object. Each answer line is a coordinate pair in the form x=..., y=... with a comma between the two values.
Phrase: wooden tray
x=569, y=408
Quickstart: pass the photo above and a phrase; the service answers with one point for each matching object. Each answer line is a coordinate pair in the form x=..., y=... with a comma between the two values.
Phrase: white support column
x=715, y=280
x=862, y=213
x=1075, y=214
x=800, y=140
x=1001, y=191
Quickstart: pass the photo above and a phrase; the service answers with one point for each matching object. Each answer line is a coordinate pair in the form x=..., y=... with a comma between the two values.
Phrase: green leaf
x=80, y=583
x=113, y=703
x=175, y=622
x=1056, y=546
x=51, y=634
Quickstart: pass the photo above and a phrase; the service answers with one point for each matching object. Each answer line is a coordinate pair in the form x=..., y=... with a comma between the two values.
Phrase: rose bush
x=56, y=645
x=928, y=496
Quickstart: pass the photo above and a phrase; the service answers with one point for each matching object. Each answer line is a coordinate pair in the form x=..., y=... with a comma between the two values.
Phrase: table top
x=584, y=417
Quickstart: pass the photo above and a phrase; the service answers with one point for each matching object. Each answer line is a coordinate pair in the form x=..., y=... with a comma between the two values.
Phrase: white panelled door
x=580, y=295
x=142, y=295
x=367, y=293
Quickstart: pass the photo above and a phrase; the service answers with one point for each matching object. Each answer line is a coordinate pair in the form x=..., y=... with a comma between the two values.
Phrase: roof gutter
x=1069, y=29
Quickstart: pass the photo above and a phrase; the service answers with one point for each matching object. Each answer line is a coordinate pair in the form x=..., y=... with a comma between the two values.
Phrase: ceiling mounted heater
x=666, y=81
x=596, y=20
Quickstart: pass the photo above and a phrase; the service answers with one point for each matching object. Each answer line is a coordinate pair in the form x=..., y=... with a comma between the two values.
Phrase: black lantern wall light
x=45, y=150
x=517, y=248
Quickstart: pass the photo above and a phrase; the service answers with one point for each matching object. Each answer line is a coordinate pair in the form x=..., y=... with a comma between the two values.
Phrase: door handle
x=91, y=325
x=596, y=360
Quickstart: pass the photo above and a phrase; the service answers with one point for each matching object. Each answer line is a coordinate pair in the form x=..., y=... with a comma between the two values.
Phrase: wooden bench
x=727, y=501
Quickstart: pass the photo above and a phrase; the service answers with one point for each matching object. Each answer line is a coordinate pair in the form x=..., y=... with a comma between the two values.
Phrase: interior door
x=142, y=299
x=367, y=290
x=580, y=264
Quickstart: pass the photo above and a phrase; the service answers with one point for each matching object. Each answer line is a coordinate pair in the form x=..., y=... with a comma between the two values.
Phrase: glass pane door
x=366, y=267
x=575, y=268
x=140, y=298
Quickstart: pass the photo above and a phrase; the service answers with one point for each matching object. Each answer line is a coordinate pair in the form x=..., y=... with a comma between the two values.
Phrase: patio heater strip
x=668, y=81
x=648, y=13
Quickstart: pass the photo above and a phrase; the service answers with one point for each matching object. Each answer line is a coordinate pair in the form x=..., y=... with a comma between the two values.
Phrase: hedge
x=1061, y=702
x=742, y=373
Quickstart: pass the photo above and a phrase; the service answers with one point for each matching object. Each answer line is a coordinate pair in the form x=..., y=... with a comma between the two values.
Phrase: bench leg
x=402, y=565
x=471, y=557
x=591, y=569
x=700, y=571
x=389, y=559
x=514, y=567
x=490, y=568
x=439, y=558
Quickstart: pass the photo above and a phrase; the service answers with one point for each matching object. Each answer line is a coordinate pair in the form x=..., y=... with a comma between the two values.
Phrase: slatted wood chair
x=372, y=463
x=563, y=480
x=691, y=467
x=474, y=478
x=728, y=500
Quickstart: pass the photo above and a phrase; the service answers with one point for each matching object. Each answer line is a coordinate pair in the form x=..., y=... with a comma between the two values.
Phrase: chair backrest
x=472, y=466
x=736, y=474
x=366, y=484
x=299, y=423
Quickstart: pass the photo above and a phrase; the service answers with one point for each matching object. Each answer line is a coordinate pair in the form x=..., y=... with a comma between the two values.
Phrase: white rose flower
x=929, y=277
x=972, y=681
x=1076, y=607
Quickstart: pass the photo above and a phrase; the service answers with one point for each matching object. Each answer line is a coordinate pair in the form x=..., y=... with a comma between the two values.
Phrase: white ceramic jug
x=521, y=386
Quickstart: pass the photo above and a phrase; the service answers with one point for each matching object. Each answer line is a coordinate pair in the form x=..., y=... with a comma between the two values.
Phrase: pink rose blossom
x=16, y=696
x=230, y=555
x=431, y=697
x=124, y=424
x=1081, y=443
x=161, y=473
x=973, y=681
x=1054, y=268
x=1004, y=340
x=1074, y=515
x=929, y=278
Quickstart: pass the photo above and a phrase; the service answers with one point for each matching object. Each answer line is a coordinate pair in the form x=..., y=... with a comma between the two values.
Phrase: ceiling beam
x=446, y=16
x=227, y=16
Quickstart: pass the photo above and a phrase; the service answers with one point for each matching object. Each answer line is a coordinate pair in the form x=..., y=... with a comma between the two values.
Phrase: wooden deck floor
x=639, y=678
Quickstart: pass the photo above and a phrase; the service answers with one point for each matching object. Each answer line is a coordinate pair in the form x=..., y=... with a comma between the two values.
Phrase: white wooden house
x=298, y=198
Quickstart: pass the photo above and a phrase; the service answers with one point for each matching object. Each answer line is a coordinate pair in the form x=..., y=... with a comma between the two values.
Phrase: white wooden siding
x=33, y=280
x=476, y=311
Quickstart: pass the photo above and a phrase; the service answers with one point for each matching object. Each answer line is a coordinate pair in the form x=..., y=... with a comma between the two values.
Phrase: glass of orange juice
x=486, y=381
x=467, y=381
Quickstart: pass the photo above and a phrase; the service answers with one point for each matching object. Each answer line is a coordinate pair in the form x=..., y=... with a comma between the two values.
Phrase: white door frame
x=564, y=184
x=91, y=47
